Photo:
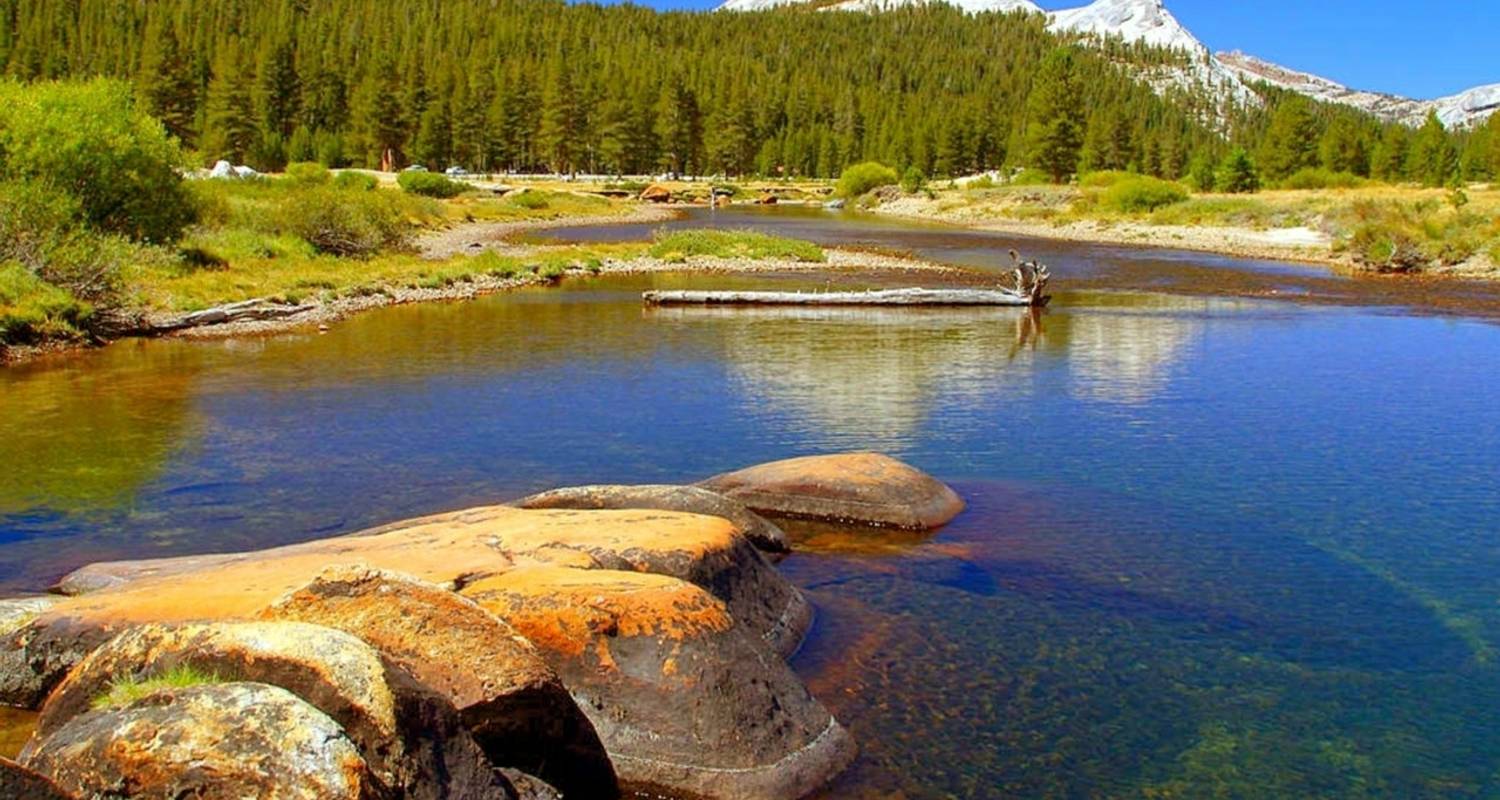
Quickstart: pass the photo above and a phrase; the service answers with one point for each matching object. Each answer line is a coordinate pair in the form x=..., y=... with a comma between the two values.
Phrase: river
x=1217, y=545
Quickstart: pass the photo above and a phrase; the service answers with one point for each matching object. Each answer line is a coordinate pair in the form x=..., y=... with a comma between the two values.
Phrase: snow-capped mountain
x=1226, y=76
x=1465, y=108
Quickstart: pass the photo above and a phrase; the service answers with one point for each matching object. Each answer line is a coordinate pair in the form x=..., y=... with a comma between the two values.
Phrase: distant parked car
x=415, y=168
x=456, y=171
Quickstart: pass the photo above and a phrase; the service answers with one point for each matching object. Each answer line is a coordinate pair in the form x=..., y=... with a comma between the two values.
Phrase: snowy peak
x=1146, y=21
x=1459, y=110
x=968, y=6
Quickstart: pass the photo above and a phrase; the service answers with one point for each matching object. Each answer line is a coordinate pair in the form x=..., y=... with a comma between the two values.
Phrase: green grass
x=33, y=310
x=679, y=246
x=124, y=691
x=1396, y=236
x=534, y=204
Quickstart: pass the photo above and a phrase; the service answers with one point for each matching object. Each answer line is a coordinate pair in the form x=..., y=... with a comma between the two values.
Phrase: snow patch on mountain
x=1146, y=21
x=1459, y=110
x=967, y=6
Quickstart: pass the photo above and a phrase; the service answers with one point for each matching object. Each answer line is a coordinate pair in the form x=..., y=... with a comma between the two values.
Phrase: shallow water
x=1216, y=547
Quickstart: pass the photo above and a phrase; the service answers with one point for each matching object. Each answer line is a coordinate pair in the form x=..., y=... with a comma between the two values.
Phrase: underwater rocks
x=635, y=644
x=691, y=499
x=860, y=488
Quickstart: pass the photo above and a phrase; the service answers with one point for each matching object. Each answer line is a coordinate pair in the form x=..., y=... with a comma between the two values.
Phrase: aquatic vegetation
x=681, y=245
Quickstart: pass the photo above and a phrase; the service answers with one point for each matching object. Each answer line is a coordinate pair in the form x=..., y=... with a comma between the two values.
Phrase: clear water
x=1215, y=548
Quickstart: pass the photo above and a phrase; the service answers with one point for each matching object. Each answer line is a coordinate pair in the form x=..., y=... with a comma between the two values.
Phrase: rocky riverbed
x=589, y=642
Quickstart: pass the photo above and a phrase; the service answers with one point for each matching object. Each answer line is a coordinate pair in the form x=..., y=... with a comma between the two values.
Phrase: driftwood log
x=887, y=297
x=259, y=309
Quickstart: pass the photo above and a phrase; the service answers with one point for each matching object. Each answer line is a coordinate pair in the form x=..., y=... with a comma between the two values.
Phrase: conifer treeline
x=539, y=85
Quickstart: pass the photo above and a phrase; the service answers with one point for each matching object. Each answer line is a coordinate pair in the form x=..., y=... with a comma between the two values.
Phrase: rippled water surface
x=1214, y=547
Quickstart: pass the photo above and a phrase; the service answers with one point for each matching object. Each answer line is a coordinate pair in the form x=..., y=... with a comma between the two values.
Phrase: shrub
x=306, y=173
x=113, y=159
x=346, y=223
x=360, y=181
x=1203, y=172
x=861, y=178
x=533, y=201
x=39, y=229
x=1238, y=175
x=1031, y=177
x=678, y=246
x=430, y=184
x=32, y=309
x=1400, y=237
x=1103, y=179
x=913, y=181
x=1140, y=194
x=1320, y=178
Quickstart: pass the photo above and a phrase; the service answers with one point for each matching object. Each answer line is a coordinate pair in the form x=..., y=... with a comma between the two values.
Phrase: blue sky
x=1421, y=49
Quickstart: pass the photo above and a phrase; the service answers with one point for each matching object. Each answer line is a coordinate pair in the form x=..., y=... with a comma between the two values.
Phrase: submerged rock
x=508, y=698
x=691, y=499
x=212, y=741
x=687, y=701
x=862, y=488
x=21, y=783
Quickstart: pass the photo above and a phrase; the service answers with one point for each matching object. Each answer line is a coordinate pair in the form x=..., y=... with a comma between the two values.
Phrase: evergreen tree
x=278, y=92
x=433, y=142
x=1434, y=160
x=1388, y=163
x=1291, y=142
x=562, y=122
x=679, y=127
x=1203, y=172
x=229, y=109
x=1054, y=117
x=167, y=84
x=1343, y=147
x=1238, y=174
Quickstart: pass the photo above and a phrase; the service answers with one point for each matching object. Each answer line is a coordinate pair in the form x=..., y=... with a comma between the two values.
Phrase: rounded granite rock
x=858, y=488
x=692, y=499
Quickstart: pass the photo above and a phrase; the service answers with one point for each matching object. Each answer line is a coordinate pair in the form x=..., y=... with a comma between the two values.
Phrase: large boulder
x=222, y=741
x=25, y=678
x=509, y=698
x=687, y=700
x=859, y=488
x=409, y=737
x=656, y=193
x=691, y=499
x=21, y=783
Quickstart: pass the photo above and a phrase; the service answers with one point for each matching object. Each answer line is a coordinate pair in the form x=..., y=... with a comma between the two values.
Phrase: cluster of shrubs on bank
x=95, y=197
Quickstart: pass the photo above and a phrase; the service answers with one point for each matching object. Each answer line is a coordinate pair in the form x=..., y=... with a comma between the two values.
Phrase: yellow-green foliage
x=1397, y=236
x=32, y=309
x=679, y=246
x=124, y=691
x=1103, y=179
x=535, y=204
x=1139, y=194
x=1232, y=211
x=861, y=178
x=1320, y=178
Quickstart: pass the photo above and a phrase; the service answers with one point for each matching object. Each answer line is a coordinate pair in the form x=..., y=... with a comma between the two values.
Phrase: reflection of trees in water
x=1127, y=356
x=86, y=435
x=870, y=377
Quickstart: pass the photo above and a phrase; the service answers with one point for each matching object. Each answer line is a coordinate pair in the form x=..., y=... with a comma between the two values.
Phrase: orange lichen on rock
x=569, y=610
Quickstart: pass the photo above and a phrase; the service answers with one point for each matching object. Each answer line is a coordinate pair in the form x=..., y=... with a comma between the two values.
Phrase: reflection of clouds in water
x=869, y=377
x=1126, y=356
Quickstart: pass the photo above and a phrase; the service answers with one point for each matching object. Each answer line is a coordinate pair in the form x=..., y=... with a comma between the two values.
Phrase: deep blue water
x=1215, y=547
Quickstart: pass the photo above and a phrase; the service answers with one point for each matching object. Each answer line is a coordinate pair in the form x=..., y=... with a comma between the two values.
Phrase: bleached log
x=886, y=297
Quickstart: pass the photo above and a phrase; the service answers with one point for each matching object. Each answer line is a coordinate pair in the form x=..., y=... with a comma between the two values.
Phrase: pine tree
x=1291, y=142
x=679, y=128
x=167, y=84
x=1238, y=175
x=433, y=142
x=1054, y=117
x=1434, y=160
x=229, y=116
x=562, y=121
x=1343, y=147
x=1388, y=163
x=278, y=92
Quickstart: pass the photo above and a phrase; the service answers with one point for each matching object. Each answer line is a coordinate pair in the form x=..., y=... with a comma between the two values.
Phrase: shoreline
x=473, y=238
x=323, y=313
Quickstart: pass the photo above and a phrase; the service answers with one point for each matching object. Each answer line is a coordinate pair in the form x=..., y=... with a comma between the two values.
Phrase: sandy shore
x=473, y=238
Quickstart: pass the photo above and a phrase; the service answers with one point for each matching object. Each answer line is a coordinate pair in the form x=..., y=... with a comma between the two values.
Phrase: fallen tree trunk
x=887, y=297
x=258, y=309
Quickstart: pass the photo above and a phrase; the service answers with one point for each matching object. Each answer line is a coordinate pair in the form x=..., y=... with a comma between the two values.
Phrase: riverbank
x=1374, y=230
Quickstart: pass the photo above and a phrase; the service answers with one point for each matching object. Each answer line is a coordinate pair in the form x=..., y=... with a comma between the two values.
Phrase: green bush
x=1140, y=194
x=90, y=140
x=360, y=181
x=1103, y=179
x=39, y=229
x=1320, y=178
x=346, y=223
x=1031, y=177
x=430, y=184
x=308, y=173
x=32, y=309
x=862, y=178
x=530, y=200
x=1399, y=237
x=679, y=246
x=913, y=181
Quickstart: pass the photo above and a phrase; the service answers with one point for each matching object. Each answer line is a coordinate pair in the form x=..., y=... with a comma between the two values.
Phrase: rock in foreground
x=212, y=742
x=690, y=499
x=859, y=488
x=20, y=783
